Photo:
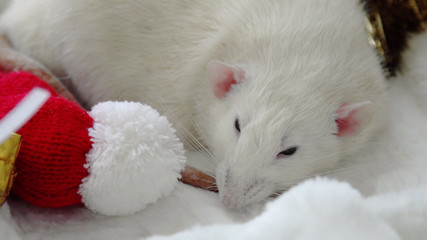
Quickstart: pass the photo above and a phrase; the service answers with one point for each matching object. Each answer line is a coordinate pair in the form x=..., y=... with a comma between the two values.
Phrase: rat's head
x=272, y=135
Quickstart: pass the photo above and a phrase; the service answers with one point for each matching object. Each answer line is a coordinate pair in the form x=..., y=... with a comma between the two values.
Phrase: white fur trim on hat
x=135, y=158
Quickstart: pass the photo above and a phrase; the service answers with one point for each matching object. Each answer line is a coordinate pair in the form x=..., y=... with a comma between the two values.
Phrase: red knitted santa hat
x=115, y=159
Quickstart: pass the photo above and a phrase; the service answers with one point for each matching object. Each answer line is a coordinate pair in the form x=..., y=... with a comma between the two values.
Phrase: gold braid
x=389, y=22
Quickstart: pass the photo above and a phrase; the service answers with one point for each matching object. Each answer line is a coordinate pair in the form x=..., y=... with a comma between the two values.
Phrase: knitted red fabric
x=16, y=83
x=50, y=164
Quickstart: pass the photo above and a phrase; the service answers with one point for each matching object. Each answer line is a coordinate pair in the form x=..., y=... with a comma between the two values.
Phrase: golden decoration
x=8, y=152
x=389, y=23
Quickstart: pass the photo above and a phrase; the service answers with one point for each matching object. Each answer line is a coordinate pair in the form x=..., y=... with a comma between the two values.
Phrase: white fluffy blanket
x=383, y=198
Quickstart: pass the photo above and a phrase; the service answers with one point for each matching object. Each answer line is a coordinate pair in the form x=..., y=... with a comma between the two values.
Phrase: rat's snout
x=236, y=191
x=243, y=177
x=231, y=202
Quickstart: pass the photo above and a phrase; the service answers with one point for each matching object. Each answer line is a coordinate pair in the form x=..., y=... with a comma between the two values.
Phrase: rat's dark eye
x=288, y=152
x=237, y=125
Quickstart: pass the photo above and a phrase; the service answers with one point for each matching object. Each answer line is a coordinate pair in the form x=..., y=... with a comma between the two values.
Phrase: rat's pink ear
x=222, y=77
x=352, y=118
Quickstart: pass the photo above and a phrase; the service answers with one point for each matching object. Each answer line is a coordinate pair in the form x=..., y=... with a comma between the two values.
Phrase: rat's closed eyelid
x=288, y=152
x=237, y=124
x=240, y=121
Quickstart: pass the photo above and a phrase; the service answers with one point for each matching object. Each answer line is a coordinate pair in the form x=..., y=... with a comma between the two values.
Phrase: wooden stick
x=196, y=178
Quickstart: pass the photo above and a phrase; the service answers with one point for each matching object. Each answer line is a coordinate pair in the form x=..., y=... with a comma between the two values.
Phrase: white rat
x=277, y=90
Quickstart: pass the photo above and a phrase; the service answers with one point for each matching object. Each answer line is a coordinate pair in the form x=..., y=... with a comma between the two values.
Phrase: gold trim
x=376, y=37
x=414, y=6
x=8, y=152
x=382, y=17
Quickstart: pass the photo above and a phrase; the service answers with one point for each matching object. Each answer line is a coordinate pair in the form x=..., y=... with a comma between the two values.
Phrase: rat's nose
x=231, y=201
x=228, y=202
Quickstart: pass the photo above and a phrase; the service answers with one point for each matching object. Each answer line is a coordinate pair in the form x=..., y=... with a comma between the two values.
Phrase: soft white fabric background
x=392, y=181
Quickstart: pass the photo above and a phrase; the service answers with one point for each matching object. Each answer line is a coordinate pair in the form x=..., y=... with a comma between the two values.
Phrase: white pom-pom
x=135, y=158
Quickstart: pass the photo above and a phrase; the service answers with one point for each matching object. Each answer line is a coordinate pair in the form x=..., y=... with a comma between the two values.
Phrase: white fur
x=324, y=209
x=415, y=62
x=301, y=59
x=317, y=209
x=8, y=227
x=135, y=158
